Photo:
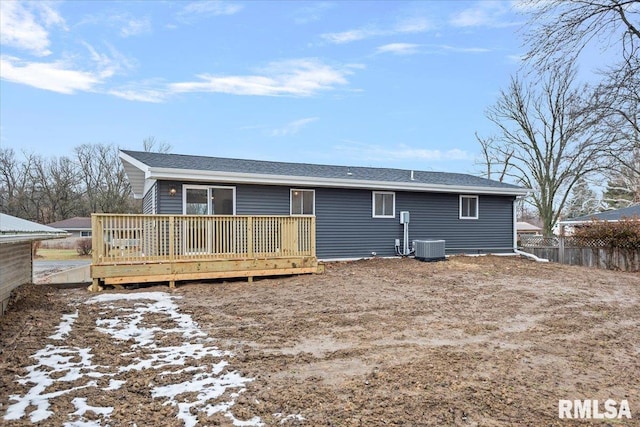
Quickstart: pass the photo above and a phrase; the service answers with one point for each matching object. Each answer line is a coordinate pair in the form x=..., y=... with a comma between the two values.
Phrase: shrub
x=34, y=248
x=622, y=237
x=84, y=247
x=624, y=234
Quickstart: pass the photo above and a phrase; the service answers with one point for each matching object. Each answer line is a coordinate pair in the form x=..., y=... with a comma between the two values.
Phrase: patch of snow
x=65, y=326
x=114, y=385
x=210, y=382
x=82, y=408
x=292, y=417
x=52, y=360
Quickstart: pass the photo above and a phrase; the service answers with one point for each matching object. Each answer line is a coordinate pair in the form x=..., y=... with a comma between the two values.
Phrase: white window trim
x=468, y=196
x=208, y=188
x=373, y=204
x=291, y=201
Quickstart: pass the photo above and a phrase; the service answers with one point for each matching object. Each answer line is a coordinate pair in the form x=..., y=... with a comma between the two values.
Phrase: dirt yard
x=472, y=341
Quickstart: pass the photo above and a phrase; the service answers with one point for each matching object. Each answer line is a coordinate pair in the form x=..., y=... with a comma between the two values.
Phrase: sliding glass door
x=204, y=200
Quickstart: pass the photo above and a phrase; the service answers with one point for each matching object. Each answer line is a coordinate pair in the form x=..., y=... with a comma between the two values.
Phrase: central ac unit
x=429, y=250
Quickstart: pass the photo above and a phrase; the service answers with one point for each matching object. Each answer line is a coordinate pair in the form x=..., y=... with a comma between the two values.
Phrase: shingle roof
x=356, y=173
x=75, y=223
x=612, y=215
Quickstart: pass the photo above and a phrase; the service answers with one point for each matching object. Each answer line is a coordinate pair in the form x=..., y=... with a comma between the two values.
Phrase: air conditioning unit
x=429, y=250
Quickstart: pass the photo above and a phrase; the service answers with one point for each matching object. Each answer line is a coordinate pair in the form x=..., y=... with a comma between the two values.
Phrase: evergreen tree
x=583, y=201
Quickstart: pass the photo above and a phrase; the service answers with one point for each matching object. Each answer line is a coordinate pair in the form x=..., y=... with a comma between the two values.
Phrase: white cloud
x=25, y=25
x=409, y=26
x=294, y=127
x=399, y=48
x=146, y=91
x=199, y=9
x=300, y=77
x=57, y=76
x=134, y=27
x=484, y=14
x=64, y=76
x=377, y=153
x=311, y=12
x=411, y=49
x=464, y=49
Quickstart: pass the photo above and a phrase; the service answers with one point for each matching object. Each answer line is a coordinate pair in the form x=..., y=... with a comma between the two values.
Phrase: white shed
x=16, y=256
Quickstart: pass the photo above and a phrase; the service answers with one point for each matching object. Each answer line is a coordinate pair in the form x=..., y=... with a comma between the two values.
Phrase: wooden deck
x=170, y=248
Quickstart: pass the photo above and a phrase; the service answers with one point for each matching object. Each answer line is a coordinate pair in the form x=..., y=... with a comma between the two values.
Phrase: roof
x=13, y=229
x=525, y=226
x=142, y=167
x=611, y=215
x=75, y=223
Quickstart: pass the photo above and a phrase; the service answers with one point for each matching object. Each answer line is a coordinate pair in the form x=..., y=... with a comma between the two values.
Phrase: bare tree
x=150, y=144
x=492, y=160
x=545, y=138
x=57, y=189
x=559, y=31
x=105, y=181
x=15, y=186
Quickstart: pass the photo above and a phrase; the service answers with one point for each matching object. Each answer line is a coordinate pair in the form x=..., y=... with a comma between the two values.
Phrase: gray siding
x=345, y=227
x=262, y=200
x=149, y=200
x=168, y=204
x=15, y=269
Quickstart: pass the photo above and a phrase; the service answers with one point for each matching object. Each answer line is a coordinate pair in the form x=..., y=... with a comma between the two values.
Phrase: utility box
x=429, y=250
x=404, y=217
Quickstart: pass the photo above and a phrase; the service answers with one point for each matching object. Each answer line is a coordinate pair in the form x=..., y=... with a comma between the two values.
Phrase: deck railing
x=156, y=238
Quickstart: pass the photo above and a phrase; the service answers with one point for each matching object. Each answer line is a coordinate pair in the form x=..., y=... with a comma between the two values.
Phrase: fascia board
x=13, y=238
x=588, y=221
x=246, y=178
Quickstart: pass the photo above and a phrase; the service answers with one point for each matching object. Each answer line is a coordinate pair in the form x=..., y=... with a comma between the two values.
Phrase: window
x=85, y=234
x=468, y=207
x=303, y=202
x=384, y=204
x=201, y=200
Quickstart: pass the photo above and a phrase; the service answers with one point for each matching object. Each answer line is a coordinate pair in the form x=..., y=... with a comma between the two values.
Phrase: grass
x=59, y=254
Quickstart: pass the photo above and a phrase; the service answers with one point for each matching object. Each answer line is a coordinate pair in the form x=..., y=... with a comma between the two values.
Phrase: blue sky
x=390, y=84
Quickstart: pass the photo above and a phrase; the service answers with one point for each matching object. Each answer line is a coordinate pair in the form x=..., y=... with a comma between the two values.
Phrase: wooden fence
x=576, y=251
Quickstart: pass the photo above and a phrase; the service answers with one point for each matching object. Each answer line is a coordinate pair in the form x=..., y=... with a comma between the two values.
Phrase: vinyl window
x=303, y=202
x=384, y=204
x=468, y=207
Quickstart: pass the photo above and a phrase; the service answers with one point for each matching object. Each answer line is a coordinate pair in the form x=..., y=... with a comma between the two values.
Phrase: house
x=16, y=255
x=527, y=229
x=614, y=215
x=77, y=227
x=356, y=209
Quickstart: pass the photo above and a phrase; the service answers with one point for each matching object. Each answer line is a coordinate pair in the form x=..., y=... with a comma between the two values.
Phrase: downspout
x=515, y=238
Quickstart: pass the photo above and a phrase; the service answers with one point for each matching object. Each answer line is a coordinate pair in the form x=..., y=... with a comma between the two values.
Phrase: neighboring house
x=16, y=255
x=615, y=215
x=357, y=209
x=525, y=228
x=78, y=226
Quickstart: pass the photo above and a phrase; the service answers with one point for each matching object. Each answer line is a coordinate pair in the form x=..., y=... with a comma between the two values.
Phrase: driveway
x=45, y=268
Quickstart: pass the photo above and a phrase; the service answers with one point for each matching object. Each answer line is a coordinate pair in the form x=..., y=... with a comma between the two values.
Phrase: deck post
x=249, y=237
x=250, y=279
x=312, y=236
x=96, y=249
x=172, y=237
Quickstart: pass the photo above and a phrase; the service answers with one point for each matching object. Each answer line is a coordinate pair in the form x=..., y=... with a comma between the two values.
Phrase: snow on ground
x=63, y=364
